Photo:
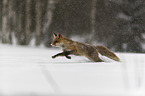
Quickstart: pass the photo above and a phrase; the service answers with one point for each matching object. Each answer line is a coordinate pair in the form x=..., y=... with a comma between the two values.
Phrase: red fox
x=76, y=48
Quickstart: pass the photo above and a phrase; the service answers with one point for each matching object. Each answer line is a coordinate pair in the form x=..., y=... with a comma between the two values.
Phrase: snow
x=30, y=71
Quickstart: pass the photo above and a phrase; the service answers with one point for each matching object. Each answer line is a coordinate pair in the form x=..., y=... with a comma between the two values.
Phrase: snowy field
x=27, y=71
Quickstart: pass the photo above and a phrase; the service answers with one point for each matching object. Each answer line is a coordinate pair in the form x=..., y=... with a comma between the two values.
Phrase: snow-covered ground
x=27, y=71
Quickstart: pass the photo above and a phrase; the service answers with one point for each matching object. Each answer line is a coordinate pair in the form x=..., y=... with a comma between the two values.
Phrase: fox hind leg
x=94, y=57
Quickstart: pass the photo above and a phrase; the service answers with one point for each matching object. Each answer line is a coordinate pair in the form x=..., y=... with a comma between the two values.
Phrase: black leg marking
x=59, y=54
x=64, y=53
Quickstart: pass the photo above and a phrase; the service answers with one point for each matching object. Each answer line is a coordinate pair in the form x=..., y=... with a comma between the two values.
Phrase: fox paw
x=68, y=57
x=53, y=57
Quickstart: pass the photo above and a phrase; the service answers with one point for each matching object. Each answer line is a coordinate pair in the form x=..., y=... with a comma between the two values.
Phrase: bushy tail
x=106, y=52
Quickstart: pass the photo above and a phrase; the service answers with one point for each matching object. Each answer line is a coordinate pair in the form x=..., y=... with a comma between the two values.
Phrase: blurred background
x=117, y=24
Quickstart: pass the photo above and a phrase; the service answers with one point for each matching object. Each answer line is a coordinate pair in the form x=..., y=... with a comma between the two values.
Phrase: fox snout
x=53, y=44
x=57, y=44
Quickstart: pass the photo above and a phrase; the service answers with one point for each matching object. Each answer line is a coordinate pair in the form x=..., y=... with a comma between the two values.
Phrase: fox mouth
x=57, y=45
x=52, y=45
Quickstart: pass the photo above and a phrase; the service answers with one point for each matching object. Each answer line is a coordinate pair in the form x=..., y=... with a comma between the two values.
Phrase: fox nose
x=52, y=44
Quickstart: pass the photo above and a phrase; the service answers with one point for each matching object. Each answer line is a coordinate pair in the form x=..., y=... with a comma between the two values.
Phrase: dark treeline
x=117, y=24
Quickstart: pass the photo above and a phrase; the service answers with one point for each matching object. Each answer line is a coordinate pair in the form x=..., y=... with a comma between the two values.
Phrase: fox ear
x=59, y=35
x=54, y=34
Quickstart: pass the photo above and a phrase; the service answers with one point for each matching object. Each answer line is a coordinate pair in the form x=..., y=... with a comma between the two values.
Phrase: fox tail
x=106, y=52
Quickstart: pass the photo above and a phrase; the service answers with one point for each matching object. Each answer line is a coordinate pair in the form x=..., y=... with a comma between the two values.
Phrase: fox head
x=58, y=40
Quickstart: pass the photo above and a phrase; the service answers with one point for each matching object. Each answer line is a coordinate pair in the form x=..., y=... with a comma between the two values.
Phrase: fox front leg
x=65, y=53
